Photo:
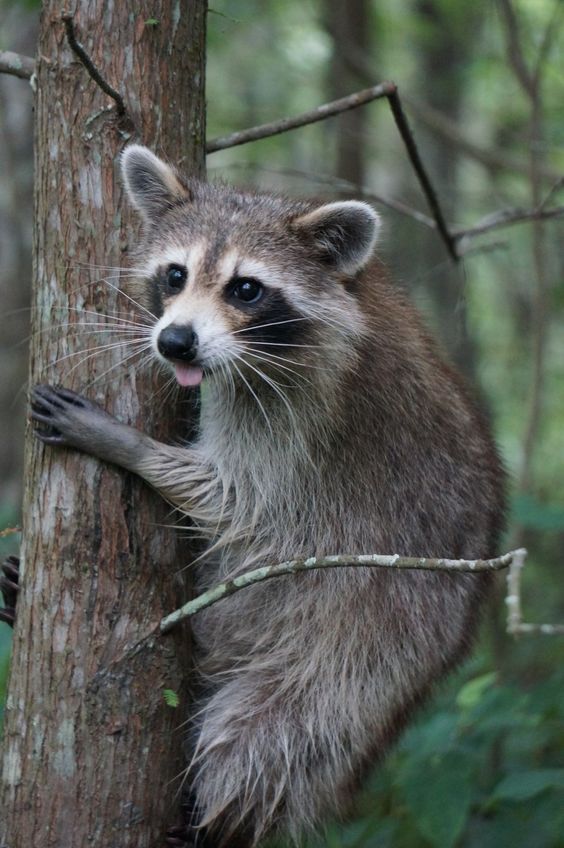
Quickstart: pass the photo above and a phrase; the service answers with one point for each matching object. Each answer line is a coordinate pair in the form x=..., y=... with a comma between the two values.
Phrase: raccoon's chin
x=188, y=376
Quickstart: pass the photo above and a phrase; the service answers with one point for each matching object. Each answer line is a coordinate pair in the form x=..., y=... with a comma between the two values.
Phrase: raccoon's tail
x=268, y=759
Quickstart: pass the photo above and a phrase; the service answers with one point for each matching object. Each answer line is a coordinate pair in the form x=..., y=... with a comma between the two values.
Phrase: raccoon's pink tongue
x=188, y=375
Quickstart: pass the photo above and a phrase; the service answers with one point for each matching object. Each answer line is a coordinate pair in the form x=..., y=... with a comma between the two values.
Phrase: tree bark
x=91, y=747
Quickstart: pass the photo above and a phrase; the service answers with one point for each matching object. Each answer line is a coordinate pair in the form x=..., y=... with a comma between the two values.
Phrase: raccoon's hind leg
x=9, y=586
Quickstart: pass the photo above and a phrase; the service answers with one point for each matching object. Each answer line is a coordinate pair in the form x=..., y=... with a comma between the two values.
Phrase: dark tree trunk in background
x=347, y=22
x=19, y=30
x=446, y=41
x=91, y=748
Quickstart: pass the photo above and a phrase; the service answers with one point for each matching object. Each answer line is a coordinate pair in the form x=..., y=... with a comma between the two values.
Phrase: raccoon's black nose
x=178, y=342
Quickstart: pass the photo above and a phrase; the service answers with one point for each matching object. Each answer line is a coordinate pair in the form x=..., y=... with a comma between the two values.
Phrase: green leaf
x=439, y=794
x=471, y=693
x=527, y=784
x=152, y=22
x=171, y=698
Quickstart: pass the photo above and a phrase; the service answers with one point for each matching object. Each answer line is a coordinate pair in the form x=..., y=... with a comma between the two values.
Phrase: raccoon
x=329, y=424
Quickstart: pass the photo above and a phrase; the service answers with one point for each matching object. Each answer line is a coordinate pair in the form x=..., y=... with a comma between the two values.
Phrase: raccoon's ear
x=343, y=233
x=152, y=186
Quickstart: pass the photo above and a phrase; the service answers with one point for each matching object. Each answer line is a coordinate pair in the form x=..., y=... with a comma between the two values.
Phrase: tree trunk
x=19, y=30
x=91, y=747
x=448, y=36
x=348, y=24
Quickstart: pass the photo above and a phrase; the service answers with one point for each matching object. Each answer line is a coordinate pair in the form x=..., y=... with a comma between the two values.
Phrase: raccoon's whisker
x=279, y=366
x=278, y=358
x=165, y=393
x=248, y=385
x=119, y=276
x=97, y=352
x=226, y=377
x=142, y=363
x=288, y=344
x=117, y=316
x=131, y=299
x=270, y=324
x=87, y=329
x=272, y=383
x=93, y=351
x=82, y=265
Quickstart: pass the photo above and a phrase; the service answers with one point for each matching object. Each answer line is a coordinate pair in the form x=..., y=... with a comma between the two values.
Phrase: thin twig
x=223, y=590
x=515, y=623
x=79, y=51
x=490, y=158
x=559, y=184
x=9, y=531
x=506, y=218
x=16, y=65
x=432, y=199
x=320, y=113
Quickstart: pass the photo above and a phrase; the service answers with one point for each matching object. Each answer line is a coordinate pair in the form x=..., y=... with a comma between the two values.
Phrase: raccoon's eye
x=175, y=278
x=246, y=289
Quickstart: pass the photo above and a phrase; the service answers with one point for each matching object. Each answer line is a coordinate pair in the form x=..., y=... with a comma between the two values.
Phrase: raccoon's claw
x=9, y=586
x=64, y=416
x=179, y=837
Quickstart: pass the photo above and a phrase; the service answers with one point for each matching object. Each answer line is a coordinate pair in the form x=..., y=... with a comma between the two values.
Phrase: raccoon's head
x=246, y=286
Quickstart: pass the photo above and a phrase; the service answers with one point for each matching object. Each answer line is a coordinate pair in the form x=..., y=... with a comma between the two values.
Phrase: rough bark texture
x=91, y=748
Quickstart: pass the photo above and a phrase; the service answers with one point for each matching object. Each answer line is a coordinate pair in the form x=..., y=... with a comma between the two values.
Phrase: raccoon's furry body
x=367, y=443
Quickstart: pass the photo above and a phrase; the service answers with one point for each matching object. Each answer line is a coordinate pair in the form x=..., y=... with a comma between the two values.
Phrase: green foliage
x=171, y=698
x=468, y=774
x=529, y=512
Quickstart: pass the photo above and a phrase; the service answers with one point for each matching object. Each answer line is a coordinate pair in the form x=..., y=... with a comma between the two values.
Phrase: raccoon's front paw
x=9, y=586
x=67, y=419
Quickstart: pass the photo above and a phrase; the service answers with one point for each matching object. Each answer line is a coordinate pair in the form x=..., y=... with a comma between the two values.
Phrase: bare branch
x=79, y=51
x=327, y=110
x=559, y=184
x=320, y=113
x=223, y=590
x=429, y=191
x=440, y=123
x=515, y=623
x=505, y=218
x=16, y=65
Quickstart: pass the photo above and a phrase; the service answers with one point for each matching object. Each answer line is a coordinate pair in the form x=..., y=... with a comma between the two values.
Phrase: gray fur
x=307, y=680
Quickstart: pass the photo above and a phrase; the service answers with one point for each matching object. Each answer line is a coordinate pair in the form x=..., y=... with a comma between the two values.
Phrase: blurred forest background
x=483, y=86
